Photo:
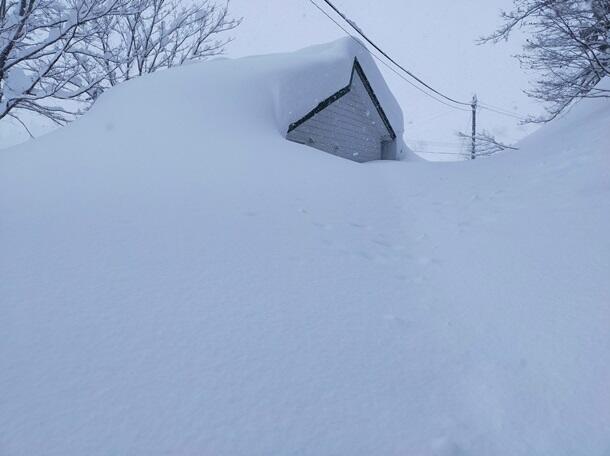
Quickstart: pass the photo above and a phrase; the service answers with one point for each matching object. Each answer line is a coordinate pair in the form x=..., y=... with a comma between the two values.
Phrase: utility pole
x=473, y=151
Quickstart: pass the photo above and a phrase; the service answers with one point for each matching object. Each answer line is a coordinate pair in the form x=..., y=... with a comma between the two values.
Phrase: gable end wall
x=350, y=127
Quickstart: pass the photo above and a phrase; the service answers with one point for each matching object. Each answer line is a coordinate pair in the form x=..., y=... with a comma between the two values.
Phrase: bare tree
x=161, y=34
x=41, y=65
x=485, y=144
x=569, y=46
x=57, y=56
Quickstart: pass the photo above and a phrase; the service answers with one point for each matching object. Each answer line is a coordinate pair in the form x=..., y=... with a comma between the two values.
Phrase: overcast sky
x=434, y=39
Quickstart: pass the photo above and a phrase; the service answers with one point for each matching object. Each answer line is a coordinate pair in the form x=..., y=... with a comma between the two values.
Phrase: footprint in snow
x=359, y=226
x=324, y=226
x=397, y=321
x=427, y=261
x=365, y=255
x=382, y=243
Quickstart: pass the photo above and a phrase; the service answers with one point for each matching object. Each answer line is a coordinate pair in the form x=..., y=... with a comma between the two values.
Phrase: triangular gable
x=356, y=70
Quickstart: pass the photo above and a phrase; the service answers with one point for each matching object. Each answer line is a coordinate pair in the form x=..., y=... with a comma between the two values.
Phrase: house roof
x=314, y=75
x=356, y=70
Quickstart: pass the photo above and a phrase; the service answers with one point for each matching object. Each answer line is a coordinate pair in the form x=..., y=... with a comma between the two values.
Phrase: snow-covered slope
x=178, y=279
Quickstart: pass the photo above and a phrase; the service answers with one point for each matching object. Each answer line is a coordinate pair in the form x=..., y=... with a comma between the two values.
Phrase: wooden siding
x=350, y=127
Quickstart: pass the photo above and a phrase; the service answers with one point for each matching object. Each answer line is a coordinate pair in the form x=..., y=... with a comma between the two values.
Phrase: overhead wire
x=444, y=99
x=486, y=106
x=501, y=111
x=383, y=62
x=436, y=143
x=461, y=154
x=489, y=105
x=430, y=119
x=387, y=56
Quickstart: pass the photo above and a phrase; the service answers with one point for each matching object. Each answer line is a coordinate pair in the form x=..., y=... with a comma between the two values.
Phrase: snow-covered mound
x=177, y=278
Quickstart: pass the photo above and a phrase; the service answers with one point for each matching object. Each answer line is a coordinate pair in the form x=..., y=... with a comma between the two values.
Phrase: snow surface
x=178, y=279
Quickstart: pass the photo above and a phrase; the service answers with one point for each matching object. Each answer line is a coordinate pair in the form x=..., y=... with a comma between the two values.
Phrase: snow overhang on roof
x=356, y=70
x=319, y=72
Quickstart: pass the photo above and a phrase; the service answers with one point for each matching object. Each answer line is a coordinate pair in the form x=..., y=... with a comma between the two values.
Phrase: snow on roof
x=206, y=103
x=313, y=74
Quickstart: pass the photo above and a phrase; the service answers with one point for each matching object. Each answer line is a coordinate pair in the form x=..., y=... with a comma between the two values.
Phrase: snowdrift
x=177, y=278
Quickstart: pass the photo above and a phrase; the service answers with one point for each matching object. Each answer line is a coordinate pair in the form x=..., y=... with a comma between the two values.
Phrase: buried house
x=354, y=122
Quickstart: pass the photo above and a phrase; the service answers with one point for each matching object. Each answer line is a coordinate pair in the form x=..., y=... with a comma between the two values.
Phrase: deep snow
x=177, y=278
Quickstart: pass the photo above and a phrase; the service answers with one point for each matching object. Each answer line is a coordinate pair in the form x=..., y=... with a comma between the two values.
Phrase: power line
x=436, y=143
x=461, y=154
x=430, y=119
x=383, y=62
x=473, y=105
x=501, y=111
x=486, y=106
x=362, y=34
x=489, y=105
